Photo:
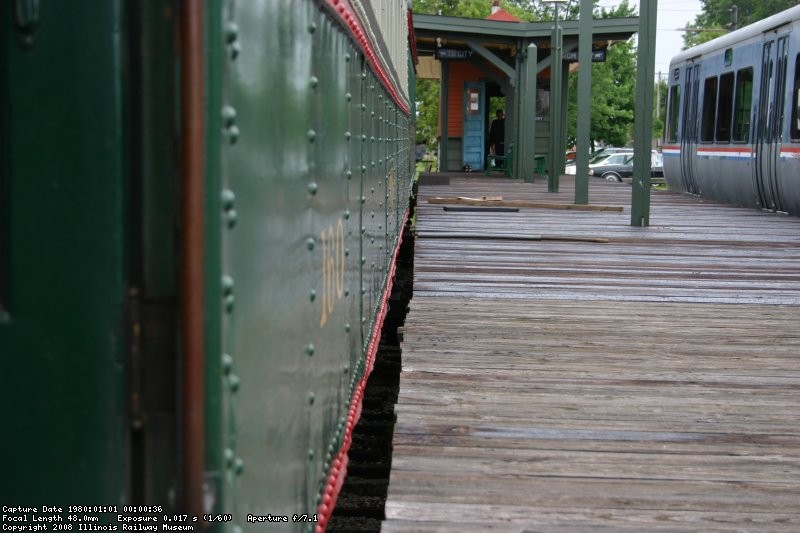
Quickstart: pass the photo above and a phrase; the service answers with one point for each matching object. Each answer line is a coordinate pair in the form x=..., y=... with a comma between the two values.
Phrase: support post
x=643, y=124
x=584, y=102
x=525, y=148
x=556, y=150
x=444, y=91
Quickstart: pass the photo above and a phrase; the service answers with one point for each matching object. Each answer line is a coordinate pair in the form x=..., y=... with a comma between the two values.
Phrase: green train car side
x=200, y=203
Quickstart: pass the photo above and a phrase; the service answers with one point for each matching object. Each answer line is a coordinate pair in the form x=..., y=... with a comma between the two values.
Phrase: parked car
x=617, y=171
x=612, y=158
x=608, y=150
x=599, y=157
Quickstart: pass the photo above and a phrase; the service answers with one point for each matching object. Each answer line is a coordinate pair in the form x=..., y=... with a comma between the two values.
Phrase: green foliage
x=536, y=10
x=613, y=90
x=715, y=19
x=624, y=9
x=453, y=8
x=526, y=10
x=427, y=111
x=660, y=90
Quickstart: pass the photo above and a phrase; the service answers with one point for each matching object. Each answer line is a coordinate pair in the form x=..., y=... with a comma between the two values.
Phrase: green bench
x=502, y=163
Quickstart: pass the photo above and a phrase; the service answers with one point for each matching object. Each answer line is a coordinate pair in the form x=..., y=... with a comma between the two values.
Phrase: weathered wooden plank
x=462, y=200
x=507, y=237
x=588, y=440
x=522, y=463
x=418, y=514
x=590, y=492
x=649, y=383
x=564, y=422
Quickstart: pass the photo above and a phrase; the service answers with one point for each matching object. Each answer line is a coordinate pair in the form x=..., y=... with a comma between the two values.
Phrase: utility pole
x=734, y=17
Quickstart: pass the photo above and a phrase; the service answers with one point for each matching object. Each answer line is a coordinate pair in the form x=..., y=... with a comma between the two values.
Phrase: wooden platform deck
x=647, y=383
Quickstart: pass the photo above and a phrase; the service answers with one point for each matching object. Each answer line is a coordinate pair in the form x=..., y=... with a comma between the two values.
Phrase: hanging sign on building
x=453, y=53
x=598, y=56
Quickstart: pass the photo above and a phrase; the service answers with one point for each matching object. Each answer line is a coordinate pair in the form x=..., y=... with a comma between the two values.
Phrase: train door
x=474, y=119
x=62, y=248
x=769, y=121
x=153, y=251
x=689, y=128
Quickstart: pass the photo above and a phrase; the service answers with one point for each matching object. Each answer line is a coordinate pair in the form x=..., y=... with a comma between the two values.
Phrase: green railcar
x=200, y=203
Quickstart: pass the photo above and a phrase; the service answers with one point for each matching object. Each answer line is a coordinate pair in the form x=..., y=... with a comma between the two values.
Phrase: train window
x=674, y=109
x=709, y=110
x=725, y=108
x=743, y=104
x=795, y=130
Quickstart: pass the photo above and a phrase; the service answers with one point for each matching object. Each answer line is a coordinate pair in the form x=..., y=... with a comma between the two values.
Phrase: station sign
x=598, y=56
x=453, y=53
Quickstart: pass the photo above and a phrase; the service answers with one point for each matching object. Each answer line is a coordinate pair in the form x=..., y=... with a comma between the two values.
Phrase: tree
x=613, y=90
x=453, y=8
x=716, y=17
x=660, y=89
x=427, y=111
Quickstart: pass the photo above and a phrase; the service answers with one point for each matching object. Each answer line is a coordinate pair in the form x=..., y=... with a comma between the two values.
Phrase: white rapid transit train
x=733, y=117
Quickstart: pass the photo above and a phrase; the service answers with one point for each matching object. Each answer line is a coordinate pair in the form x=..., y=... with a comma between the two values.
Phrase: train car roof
x=734, y=37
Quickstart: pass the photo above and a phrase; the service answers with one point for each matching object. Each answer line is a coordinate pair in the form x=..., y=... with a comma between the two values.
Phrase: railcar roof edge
x=757, y=28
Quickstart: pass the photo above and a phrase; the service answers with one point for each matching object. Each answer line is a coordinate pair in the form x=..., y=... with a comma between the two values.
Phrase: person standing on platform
x=497, y=134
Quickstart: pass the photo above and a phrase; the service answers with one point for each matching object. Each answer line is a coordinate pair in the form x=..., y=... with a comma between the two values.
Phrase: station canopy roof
x=504, y=37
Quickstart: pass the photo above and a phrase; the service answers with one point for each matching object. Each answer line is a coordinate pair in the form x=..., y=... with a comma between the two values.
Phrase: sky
x=672, y=14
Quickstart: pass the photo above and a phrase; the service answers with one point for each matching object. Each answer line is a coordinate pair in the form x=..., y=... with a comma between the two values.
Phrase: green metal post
x=562, y=124
x=584, y=102
x=526, y=145
x=643, y=124
x=444, y=90
x=556, y=150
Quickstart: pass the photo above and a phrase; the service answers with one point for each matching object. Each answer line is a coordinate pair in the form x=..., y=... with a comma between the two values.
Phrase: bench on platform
x=541, y=165
x=502, y=163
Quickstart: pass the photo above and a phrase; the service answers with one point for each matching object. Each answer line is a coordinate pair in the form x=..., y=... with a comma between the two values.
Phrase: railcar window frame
x=6, y=175
x=709, y=112
x=741, y=114
x=794, y=130
x=674, y=105
x=726, y=89
x=781, y=72
x=4, y=225
x=5, y=189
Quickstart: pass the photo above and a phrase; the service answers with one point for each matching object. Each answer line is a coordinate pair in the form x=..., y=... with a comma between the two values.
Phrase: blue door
x=474, y=120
